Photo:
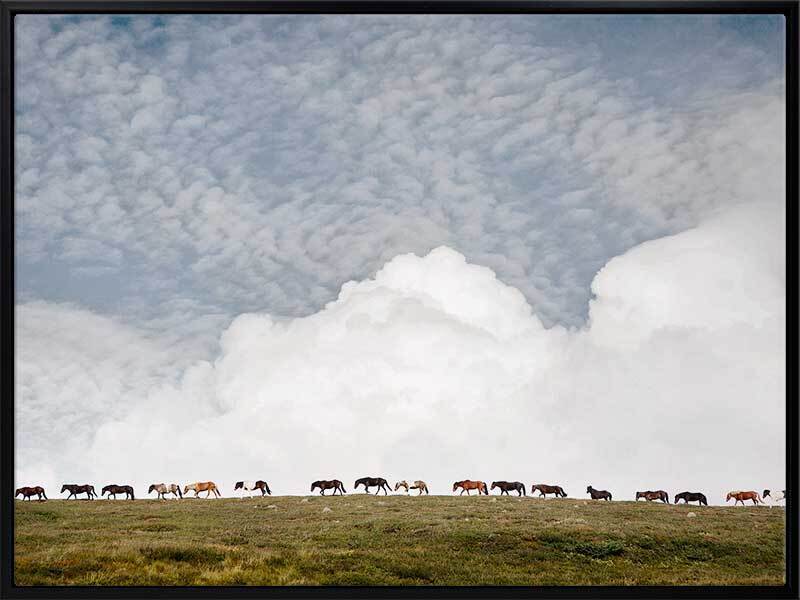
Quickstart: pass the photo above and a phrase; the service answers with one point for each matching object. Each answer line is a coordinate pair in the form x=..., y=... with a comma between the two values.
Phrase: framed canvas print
x=399, y=298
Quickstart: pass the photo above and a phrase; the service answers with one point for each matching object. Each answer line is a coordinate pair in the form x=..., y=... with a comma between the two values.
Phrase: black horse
x=691, y=497
x=506, y=486
x=369, y=482
x=324, y=484
x=598, y=494
x=74, y=490
x=113, y=490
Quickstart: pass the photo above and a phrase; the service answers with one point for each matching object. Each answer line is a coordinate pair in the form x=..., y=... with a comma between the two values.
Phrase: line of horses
x=467, y=485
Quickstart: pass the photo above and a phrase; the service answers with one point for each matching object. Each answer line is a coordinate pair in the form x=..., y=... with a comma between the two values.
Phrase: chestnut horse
x=506, y=486
x=162, y=490
x=691, y=497
x=657, y=495
x=548, y=489
x=327, y=484
x=74, y=490
x=204, y=486
x=113, y=490
x=369, y=482
x=418, y=485
x=742, y=496
x=598, y=494
x=468, y=485
x=27, y=492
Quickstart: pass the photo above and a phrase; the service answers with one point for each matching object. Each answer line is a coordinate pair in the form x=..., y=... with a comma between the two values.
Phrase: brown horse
x=369, y=482
x=468, y=485
x=507, y=486
x=205, y=486
x=251, y=486
x=113, y=490
x=548, y=489
x=598, y=494
x=742, y=496
x=74, y=490
x=657, y=495
x=327, y=484
x=27, y=492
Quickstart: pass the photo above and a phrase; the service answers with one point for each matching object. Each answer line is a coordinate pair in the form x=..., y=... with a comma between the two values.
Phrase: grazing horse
x=548, y=489
x=27, y=492
x=114, y=489
x=418, y=485
x=204, y=486
x=74, y=490
x=468, y=485
x=505, y=486
x=598, y=494
x=251, y=486
x=767, y=494
x=369, y=482
x=691, y=497
x=742, y=496
x=162, y=490
x=657, y=495
x=327, y=484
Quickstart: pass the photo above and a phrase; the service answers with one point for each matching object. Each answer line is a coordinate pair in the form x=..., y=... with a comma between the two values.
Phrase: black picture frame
x=8, y=11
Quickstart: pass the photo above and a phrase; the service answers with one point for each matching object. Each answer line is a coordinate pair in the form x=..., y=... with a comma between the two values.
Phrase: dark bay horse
x=468, y=485
x=327, y=484
x=506, y=486
x=114, y=489
x=548, y=489
x=74, y=490
x=691, y=497
x=657, y=495
x=27, y=492
x=250, y=486
x=742, y=496
x=598, y=494
x=369, y=482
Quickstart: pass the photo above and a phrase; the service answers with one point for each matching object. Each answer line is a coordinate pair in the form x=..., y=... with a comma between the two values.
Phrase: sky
x=546, y=249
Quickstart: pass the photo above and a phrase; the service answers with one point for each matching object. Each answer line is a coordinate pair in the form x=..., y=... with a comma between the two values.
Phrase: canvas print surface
x=521, y=279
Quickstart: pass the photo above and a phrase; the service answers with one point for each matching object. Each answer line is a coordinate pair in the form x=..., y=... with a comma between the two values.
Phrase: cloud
x=435, y=369
x=258, y=163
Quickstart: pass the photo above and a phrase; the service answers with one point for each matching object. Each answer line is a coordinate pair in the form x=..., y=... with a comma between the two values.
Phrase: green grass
x=395, y=540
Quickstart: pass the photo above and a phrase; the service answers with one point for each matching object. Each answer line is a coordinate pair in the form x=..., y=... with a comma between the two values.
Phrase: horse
x=742, y=496
x=657, y=495
x=468, y=485
x=27, y=492
x=505, y=486
x=418, y=485
x=598, y=494
x=369, y=482
x=114, y=489
x=548, y=489
x=204, y=486
x=251, y=486
x=691, y=497
x=74, y=490
x=162, y=490
x=327, y=484
x=767, y=494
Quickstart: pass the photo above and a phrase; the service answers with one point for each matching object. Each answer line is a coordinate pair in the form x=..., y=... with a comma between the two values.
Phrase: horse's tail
x=269, y=491
x=43, y=494
x=132, y=496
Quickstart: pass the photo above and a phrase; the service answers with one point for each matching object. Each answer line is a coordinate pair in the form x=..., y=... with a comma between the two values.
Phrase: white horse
x=778, y=497
x=163, y=490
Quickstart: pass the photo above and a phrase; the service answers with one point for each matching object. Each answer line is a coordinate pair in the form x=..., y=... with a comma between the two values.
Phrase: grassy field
x=395, y=540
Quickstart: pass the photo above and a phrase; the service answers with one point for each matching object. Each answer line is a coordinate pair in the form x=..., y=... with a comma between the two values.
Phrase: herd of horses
x=163, y=490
